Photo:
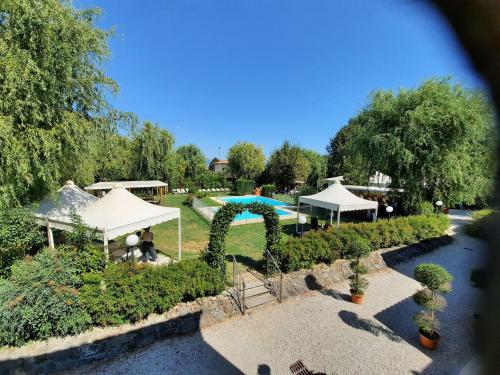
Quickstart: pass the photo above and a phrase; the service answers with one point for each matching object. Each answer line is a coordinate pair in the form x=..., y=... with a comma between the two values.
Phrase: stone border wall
x=58, y=354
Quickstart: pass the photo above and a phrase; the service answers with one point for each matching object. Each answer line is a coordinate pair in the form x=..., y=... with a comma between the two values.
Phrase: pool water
x=247, y=215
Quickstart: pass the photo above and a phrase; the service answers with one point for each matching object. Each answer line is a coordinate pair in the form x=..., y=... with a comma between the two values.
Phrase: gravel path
x=328, y=333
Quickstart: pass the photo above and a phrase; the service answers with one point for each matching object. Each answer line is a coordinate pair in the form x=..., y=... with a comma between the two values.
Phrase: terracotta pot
x=430, y=343
x=357, y=298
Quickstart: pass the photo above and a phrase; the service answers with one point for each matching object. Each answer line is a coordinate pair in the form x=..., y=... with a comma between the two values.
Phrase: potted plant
x=437, y=281
x=354, y=248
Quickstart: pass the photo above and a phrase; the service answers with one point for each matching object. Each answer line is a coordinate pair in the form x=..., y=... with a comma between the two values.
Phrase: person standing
x=147, y=245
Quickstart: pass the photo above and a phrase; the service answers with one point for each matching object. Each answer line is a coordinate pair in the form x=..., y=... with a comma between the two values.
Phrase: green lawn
x=246, y=242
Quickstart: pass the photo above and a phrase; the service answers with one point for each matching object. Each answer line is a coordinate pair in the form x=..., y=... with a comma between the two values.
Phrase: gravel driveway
x=329, y=333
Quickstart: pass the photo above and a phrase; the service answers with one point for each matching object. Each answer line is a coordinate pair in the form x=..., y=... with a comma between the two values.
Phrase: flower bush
x=327, y=246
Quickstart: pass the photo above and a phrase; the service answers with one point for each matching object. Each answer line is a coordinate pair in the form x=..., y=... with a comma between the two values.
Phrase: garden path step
x=259, y=300
x=256, y=291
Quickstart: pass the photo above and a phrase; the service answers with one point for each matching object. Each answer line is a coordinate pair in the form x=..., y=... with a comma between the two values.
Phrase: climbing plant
x=215, y=253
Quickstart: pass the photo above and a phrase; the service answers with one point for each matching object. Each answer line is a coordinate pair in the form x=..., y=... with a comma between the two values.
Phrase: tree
x=211, y=166
x=191, y=163
x=342, y=161
x=436, y=142
x=318, y=167
x=246, y=160
x=52, y=92
x=152, y=149
x=287, y=165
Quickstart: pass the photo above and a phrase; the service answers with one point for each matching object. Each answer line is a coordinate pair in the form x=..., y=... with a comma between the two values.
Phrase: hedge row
x=243, y=187
x=327, y=246
x=483, y=222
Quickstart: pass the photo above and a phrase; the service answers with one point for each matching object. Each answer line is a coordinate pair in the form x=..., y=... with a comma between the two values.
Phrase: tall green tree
x=436, y=142
x=152, y=150
x=343, y=160
x=246, y=160
x=318, y=167
x=190, y=164
x=52, y=91
x=288, y=165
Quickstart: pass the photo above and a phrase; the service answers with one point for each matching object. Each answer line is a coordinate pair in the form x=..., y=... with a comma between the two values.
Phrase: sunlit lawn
x=246, y=241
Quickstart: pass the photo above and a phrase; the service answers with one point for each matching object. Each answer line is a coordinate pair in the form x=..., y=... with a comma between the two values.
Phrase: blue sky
x=214, y=72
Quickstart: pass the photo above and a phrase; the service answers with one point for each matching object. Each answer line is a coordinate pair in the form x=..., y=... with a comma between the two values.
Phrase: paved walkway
x=329, y=333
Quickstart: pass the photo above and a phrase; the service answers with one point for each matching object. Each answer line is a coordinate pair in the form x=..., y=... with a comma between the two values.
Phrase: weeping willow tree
x=53, y=111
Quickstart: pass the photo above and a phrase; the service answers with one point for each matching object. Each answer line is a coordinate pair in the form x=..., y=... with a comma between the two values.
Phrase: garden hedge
x=327, y=246
x=483, y=222
x=268, y=190
x=243, y=187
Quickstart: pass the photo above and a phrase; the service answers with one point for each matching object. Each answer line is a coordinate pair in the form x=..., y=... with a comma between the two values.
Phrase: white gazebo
x=336, y=198
x=55, y=211
x=120, y=212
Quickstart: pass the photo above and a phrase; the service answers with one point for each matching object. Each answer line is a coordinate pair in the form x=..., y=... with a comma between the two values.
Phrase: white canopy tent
x=336, y=198
x=55, y=211
x=120, y=212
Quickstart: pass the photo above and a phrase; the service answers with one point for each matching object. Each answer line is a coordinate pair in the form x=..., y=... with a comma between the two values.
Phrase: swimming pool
x=254, y=199
x=247, y=215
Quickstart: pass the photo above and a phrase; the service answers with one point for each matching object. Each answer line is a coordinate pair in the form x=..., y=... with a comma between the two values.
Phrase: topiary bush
x=356, y=247
x=41, y=299
x=268, y=190
x=436, y=281
x=20, y=235
x=128, y=292
x=426, y=208
x=243, y=187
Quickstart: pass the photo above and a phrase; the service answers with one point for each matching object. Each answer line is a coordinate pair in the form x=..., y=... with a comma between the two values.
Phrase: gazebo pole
x=105, y=241
x=50, y=235
x=179, y=240
x=298, y=213
x=338, y=217
x=331, y=217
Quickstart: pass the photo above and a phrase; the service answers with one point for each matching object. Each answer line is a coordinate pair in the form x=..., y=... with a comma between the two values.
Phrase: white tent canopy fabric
x=337, y=198
x=120, y=212
x=55, y=211
x=106, y=185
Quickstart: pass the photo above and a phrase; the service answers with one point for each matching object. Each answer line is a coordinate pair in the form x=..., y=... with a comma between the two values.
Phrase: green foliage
x=40, y=300
x=355, y=246
x=243, y=187
x=52, y=97
x=318, y=167
x=190, y=164
x=426, y=208
x=215, y=252
x=287, y=165
x=20, y=235
x=483, y=224
x=246, y=160
x=268, y=190
x=436, y=281
x=434, y=277
x=304, y=190
x=436, y=141
x=127, y=292
x=349, y=239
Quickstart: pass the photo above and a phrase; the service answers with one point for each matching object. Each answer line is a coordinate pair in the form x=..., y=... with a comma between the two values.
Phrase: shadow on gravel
x=312, y=284
x=85, y=358
x=353, y=320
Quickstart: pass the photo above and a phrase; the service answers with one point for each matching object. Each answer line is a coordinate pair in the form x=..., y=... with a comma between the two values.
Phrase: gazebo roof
x=57, y=209
x=120, y=212
x=107, y=185
x=336, y=197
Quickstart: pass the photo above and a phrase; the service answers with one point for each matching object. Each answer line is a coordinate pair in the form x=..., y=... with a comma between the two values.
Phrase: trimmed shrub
x=426, y=208
x=128, y=292
x=20, y=235
x=243, y=187
x=355, y=248
x=483, y=222
x=40, y=300
x=296, y=253
x=268, y=190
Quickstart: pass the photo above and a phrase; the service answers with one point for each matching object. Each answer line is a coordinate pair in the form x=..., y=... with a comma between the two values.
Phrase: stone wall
x=106, y=343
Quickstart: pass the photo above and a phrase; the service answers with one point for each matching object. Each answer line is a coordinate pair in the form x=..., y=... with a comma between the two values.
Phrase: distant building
x=221, y=166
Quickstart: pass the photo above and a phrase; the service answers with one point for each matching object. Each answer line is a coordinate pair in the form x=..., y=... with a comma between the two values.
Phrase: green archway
x=215, y=253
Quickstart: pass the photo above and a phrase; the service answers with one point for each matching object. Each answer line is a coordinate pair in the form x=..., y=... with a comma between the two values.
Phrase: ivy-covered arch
x=215, y=253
